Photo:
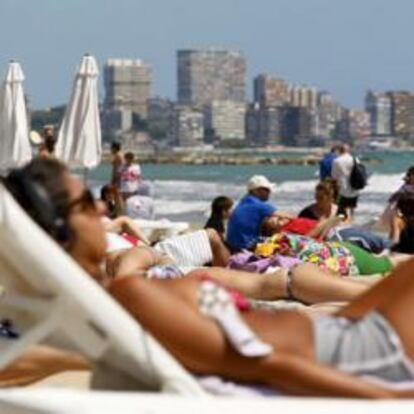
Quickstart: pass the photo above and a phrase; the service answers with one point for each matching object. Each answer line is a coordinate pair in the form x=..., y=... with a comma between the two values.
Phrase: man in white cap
x=247, y=218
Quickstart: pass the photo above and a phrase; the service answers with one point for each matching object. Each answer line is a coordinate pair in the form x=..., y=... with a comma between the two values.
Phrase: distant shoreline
x=253, y=157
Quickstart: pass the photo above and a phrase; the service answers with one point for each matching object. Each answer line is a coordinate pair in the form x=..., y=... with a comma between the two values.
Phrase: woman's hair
x=216, y=220
x=115, y=146
x=405, y=205
x=410, y=171
x=129, y=156
x=106, y=190
x=219, y=205
x=328, y=187
x=266, y=229
x=271, y=226
x=39, y=189
x=50, y=145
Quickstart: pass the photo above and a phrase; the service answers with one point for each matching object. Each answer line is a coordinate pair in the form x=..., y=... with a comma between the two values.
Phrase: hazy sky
x=344, y=46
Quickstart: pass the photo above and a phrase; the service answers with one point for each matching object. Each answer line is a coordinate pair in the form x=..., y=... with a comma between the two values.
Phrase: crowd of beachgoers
x=305, y=305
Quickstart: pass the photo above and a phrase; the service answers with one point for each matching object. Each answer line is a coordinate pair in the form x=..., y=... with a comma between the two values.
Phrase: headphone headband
x=36, y=200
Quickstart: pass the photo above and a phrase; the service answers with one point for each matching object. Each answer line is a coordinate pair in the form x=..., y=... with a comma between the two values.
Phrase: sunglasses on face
x=86, y=202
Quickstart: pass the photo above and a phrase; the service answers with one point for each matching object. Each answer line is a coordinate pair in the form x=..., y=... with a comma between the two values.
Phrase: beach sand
x=68, y=379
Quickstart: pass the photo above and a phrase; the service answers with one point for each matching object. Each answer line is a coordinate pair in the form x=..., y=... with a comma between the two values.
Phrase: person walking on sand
x=117, y=160
x=341, y=173
x=325, y=164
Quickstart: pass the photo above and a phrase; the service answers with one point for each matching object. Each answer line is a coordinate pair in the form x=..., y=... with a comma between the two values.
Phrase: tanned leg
x=312, y=285
x=309, y=284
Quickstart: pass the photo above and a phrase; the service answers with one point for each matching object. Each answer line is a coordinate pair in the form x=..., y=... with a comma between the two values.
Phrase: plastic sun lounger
x=47, y=293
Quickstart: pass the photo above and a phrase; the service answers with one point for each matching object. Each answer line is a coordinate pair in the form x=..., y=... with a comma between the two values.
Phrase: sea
x=184, y=192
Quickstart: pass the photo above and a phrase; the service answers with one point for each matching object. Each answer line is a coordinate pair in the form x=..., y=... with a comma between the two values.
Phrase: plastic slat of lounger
x=71, y=401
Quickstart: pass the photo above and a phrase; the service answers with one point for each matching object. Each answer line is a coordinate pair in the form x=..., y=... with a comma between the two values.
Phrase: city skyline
x=346, y=48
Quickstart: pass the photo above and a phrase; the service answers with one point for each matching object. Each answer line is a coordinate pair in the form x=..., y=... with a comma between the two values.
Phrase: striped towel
x=192, y=249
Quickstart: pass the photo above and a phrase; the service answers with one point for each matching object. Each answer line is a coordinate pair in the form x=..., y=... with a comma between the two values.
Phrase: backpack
x=359, y=177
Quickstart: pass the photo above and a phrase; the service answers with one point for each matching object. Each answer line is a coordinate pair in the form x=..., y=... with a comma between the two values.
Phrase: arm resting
x=127, y=225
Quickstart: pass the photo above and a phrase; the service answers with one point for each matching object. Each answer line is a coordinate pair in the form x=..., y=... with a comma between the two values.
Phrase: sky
x=343, y=46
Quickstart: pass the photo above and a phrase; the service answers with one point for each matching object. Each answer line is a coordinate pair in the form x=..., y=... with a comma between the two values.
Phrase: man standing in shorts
x=341, y=173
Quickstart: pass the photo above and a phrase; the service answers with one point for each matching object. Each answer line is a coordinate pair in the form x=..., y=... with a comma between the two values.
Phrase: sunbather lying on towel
x=340, y=257
x=186, y=251
x=331, y=229
x=331, y=355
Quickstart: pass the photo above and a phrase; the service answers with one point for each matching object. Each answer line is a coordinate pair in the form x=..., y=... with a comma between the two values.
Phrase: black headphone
x=35, y=198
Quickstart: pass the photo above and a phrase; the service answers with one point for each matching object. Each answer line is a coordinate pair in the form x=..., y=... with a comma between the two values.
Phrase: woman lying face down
x=303, y=356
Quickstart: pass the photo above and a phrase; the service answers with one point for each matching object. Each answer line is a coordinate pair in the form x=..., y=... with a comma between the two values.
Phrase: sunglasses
x=86, y=202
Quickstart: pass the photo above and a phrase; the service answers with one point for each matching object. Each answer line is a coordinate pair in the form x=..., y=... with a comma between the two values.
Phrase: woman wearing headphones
x=372, y=337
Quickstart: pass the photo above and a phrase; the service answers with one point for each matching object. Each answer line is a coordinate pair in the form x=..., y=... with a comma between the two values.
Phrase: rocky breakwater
x=239, y=159
x=234, y=158
x=197, y=159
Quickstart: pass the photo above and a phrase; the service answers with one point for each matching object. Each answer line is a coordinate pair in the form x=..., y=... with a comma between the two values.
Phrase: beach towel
x=330, y=256
x=192, y=249
x=251, y=262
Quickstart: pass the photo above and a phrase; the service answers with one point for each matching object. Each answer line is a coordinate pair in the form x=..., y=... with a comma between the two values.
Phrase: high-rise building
x=206, y=75
x=270, y=91
x=352, y=124
x=160, y=111
x=359, y=123
x=303, y=96
x=328, y=113
x=402, y=113
x=127, y=86
x=224, y=120
x=186, y=127
x=263, y=124
x=378, y=105
x=296, y=125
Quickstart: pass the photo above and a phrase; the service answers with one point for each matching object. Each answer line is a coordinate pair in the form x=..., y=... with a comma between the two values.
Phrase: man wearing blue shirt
x=247, y=218
x=325, y=164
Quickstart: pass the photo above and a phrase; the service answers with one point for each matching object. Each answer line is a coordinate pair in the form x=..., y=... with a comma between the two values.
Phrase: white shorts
x=187, y=250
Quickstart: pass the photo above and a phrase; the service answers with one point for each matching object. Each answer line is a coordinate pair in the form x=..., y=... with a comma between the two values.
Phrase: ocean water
x=184, y=192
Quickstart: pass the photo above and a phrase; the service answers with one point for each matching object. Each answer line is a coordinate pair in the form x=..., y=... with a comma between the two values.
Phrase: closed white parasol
x=79, y=139
x=15, y=147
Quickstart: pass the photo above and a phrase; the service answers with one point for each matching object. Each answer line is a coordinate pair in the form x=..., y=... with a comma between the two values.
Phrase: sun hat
x=260, y=181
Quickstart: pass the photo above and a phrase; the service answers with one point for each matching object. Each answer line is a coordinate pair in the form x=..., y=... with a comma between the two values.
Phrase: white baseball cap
x=260, y=181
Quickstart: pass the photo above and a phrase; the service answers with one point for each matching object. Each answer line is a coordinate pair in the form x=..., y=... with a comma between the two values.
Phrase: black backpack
x=359, y=177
